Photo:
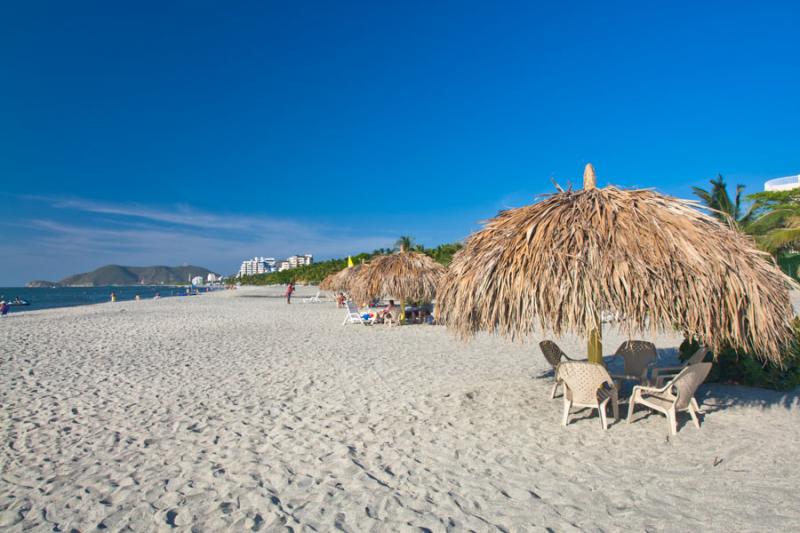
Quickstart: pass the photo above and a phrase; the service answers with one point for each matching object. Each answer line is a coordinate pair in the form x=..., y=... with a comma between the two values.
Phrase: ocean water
x=46, y=298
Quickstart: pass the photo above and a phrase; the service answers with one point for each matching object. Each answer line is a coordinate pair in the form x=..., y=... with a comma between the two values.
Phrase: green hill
x=127, y=275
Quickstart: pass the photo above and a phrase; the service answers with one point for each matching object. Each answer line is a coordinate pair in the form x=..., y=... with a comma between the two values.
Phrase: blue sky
x=202, y=133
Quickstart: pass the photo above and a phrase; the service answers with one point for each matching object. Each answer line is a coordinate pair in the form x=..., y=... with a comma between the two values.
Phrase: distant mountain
x=126, y=275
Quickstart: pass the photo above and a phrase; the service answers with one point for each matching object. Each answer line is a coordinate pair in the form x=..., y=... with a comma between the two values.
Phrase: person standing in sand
x=289, y=291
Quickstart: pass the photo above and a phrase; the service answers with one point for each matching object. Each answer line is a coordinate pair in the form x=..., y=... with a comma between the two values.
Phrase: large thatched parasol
x=654, y=262
x=342, y=280
x=409, y=276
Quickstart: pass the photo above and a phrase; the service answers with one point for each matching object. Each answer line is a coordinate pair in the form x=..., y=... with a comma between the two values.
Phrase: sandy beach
x=233, y=411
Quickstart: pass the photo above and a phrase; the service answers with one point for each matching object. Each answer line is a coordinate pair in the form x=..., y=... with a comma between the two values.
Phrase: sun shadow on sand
x=718, y=396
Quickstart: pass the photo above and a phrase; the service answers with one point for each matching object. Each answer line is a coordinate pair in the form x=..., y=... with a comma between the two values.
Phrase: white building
x=212, y=278
x=197, y=281
x=783, y=184
x=284, y=265
x=257, y=265
x=300, y=260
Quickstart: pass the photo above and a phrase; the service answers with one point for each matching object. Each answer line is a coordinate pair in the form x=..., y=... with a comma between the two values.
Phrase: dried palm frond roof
x=342, y=280
x=407, y=275
x=656, y=262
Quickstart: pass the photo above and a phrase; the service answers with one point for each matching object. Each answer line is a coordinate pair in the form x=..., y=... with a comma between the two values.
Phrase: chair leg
x=615, y=407
x=696, y=406
x=694, y=416
x=601, y=409
x=672, y=419
x=555, y=389
x=567, y=405
x=631, y=405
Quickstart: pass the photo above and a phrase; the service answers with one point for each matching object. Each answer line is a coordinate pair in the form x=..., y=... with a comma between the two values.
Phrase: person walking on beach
x=289, y=291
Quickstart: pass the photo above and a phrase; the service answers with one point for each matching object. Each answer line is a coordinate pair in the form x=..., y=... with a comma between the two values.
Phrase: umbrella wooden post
x=402, y=311
x=596, y=346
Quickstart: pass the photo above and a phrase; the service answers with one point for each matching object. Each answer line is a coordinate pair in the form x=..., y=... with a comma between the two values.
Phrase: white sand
x=226, y=411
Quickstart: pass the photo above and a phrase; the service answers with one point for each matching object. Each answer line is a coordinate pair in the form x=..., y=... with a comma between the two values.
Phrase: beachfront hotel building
x=265, y=265
x=295, y=261
x=257, y=265
x=783, y=184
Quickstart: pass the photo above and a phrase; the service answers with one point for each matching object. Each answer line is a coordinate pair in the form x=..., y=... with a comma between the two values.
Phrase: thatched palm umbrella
x=343, y=280
x=654, y=262
x=406, y=275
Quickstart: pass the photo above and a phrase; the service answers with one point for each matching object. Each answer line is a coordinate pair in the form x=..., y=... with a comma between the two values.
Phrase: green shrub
x=740, y=367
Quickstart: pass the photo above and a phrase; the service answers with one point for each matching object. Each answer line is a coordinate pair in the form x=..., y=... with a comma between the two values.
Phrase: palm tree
x=405, y=242
x=776, y=222
x=720, y=201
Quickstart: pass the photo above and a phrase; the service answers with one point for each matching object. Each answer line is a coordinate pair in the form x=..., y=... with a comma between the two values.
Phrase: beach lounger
x=314, y=299
x=554, y=355
x=353, y=315
x=588, y=385
x=674, y=397
x=638, y=357
x=662, y=374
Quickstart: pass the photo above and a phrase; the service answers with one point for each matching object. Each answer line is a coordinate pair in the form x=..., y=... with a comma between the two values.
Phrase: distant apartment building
x=295, y=261
x=257, y=265
x=300, y=260
x=783, y=184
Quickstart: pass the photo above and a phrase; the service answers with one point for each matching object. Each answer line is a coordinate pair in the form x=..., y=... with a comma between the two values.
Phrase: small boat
x=17, y=302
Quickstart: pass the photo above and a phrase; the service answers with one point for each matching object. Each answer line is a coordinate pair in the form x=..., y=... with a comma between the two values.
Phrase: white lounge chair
x=675, y=396
x=314, y=299
x=588, y=385
x=662, y=374
x=353, y=315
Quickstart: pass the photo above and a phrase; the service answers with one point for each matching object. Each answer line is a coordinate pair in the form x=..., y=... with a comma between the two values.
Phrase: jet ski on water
x=16, y=302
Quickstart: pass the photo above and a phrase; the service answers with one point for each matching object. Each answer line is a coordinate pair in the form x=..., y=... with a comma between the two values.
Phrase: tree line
x=315, y=273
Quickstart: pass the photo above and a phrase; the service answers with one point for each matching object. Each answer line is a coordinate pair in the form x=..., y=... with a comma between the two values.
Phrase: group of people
x=417, y=315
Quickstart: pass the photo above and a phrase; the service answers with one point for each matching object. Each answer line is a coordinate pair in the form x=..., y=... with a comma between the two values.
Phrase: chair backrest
x=583, y=379
x=698, y=356
x=552, y=353
x=351, y=307
x=685, y=384
x=638, y=355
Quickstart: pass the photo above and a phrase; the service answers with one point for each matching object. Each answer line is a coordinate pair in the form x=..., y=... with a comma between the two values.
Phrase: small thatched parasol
x=406, y=275
x=655, y=262
x=343, y=280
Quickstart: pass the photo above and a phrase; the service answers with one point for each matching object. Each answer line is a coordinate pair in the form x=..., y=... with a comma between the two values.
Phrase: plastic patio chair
x=638, y=357
x=554, y=356
x=662, y=374
x=588, y=385
x=674, y=397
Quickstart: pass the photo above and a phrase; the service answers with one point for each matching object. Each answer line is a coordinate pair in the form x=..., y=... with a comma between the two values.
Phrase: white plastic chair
x=554, y=355
x=638, y=357
x=588, y=385
x=674, y=397
x=662, y=374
